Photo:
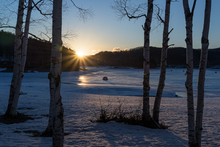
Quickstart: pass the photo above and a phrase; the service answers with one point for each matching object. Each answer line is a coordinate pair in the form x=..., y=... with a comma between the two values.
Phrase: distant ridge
x=38, y=54
x=134, y=58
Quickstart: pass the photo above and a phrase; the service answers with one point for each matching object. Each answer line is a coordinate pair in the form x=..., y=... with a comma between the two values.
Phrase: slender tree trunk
x=189, y=71
x=163, y=63
x=146, y=53
x=55, y=75
x=202, y=70
x=14, y=90
x=23, y=54
x=25, y=41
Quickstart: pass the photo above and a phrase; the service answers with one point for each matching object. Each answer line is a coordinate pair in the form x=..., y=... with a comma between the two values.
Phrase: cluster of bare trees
x=20, y=53
x=125, y=10
x=195, y=130
x=122, y=7
x=55, y=123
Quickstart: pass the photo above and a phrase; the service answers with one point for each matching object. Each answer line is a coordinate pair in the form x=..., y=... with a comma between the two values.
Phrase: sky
x=104, y=31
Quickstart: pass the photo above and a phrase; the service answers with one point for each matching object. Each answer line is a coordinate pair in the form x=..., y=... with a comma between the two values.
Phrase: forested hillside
x=38, y=54
x=134, y=57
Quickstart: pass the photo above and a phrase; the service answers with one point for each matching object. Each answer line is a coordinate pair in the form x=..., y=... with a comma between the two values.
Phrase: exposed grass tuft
x=132, y=117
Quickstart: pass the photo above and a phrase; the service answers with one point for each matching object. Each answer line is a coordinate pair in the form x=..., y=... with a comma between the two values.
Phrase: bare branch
x=47, y=33
x=69, y=35
x=158, y=14
x=50, y=38
x=187, y=9
x=11, y=27
x=122, y=9
x=44, y=14
x=193, y=8
x=171, y=45
x=84, y=14
x=170, y=31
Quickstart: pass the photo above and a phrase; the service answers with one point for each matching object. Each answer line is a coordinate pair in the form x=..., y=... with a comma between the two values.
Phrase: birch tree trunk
x=146, y=53
x=202, y=70
x=14, y=90
x=55, y=75
x=23, y=55
x=189, y=71
x=163, y=63
x=25, y=42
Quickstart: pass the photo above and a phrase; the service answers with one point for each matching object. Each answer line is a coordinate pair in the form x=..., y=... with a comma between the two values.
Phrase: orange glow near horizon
x=80, y=54
x=72, y=62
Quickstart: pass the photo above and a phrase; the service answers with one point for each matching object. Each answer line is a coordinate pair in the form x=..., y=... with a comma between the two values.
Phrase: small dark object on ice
x=105, y=78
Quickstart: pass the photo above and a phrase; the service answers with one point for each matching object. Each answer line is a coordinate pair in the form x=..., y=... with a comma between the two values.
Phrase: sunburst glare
x=80, y=53
x=77, y=61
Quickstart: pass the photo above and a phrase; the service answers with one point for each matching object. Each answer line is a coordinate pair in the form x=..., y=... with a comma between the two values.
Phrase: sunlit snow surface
x=83, y=93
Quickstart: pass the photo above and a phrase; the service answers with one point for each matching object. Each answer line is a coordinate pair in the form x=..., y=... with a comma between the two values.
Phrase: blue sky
x=104, y=31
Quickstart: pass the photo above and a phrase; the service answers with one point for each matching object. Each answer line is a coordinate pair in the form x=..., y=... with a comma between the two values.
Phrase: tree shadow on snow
x=120, y=134
x=19, y=118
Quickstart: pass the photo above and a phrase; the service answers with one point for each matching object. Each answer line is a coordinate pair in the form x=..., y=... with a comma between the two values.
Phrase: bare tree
x=20, y=54
x=146, y=118
x=163, y=62
x=55, y=75
x=202, y=70
x=189, y=72
x=122, y=9
x=84, y=13
x=134, y=12
x=15, y=83
x=195, y=131
x=12, y=110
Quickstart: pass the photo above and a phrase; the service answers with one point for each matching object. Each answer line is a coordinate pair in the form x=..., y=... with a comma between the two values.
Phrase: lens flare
x=80, y=53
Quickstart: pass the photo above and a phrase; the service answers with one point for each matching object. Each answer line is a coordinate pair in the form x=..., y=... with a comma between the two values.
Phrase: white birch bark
x=146, y=53
x=23, y=56
x=163, y=63
x=55, y=75
x=202, y=70
x=12, y=107
x=189, y=71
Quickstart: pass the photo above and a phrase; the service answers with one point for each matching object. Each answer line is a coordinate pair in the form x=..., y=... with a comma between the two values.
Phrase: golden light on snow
x=82, y=80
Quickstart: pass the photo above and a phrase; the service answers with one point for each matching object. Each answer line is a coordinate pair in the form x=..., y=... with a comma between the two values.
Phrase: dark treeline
x=134, y=57
x=38, y=54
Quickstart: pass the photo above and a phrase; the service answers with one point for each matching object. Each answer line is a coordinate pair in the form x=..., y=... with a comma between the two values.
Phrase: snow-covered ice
x=84, y=92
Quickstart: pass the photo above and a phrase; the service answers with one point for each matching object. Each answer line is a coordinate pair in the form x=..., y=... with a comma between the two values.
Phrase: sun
x=79, y=53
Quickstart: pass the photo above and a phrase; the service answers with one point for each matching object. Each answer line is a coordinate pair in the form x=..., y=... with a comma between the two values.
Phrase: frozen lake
x=84, y=92
x=128, y=82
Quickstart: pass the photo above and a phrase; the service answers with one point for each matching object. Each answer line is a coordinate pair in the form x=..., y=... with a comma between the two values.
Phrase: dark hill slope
x=38, y=54
x=134, y=57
